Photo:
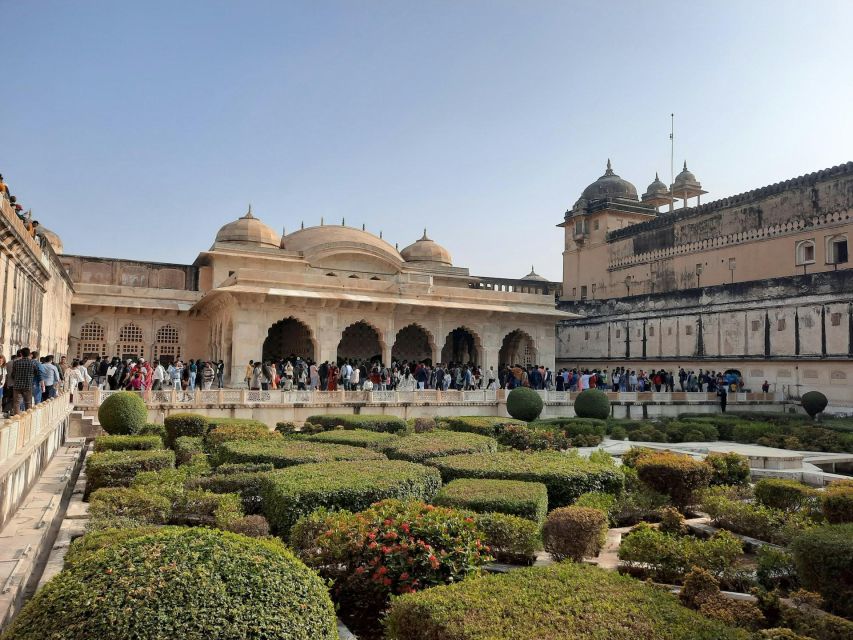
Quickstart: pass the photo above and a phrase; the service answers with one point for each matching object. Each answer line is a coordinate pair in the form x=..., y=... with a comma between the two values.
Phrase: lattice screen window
x=167, y=348
x=130, y=341
x=529, y=354
x=91, y=341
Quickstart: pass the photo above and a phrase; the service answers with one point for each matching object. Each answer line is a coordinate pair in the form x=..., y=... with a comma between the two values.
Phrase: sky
x=137, y=129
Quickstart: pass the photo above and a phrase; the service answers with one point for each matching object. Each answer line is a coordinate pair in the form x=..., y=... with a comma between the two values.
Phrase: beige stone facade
x=760, y=282
x=324, y=293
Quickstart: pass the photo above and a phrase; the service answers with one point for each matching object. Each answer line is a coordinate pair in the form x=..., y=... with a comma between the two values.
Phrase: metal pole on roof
x=671, y=159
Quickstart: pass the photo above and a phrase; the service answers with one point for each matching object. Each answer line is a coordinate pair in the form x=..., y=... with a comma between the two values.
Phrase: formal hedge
x=151, y=429
x=677, y=475
x=524, y=499
x=483, y=425
x=228, y=431
x=423, y=446
x=127, y=507
x=389, y=424
x=787, y=495
x=288, y=494
x=573, y=426
x=183, y=583
x=185, y=424
x=509, y=538
x=592, y=403
x=565, y=476
x=574, y=533
x=566, y=601
x=287, y=453
x=354, y=438
x=244, y=467
x=206, y=508
x=127, y=443
x=246, y=485
x=837, y=502
x=122, y=413
x=118, y=468
x=84, y=546
x=247, y=422
x=524, y=404
x=186, y=447
x=824, y=559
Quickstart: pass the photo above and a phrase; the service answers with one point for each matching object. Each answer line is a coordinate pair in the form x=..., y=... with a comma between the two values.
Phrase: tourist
x=723, y=393
x=765, y=388
x=51, y=379
x=137, y=382
x=175, y=370
x=314, y=376
x=158, y=377
x=25, y=377
x=207, y=376
x=250, y=370
x=331, y=377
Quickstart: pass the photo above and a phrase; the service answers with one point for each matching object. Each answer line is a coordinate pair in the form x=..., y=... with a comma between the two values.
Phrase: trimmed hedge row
x=354, y=438
x=288, y=494
x=246, y=485
x=119, y=468
x=423, y=446
x=229, y=431
x=185, y=424
x=566, y=601
x=565, y=476
x=127, y=443
x=524, y=499
x=181, y=583
x=186, y=447
x=389, y=424
x=482, y=425
x=509, y=538
x=287, y=453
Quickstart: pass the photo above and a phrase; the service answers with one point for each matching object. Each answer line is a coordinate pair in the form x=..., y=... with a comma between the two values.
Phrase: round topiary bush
x=123, y=413
x=592, y=403
x=183, y=583
x=814, y=402
x=824, y=559
x=524, y=404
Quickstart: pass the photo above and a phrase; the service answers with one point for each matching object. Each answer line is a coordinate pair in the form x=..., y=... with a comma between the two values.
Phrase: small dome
x=656, y=188
x=53, y=239
x=534, y=276
x=248, y=230
x=610, y=185
x=426, y=250
x=686, y=179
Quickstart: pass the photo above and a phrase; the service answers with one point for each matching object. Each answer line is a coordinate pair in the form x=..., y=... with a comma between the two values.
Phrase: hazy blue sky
x=137, y=129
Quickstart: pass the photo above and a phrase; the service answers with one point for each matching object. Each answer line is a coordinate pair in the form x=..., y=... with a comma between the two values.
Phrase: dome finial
x=249, y=212
x=609, y=171
x=425, y=235
x=685, y=165
x=656, y=176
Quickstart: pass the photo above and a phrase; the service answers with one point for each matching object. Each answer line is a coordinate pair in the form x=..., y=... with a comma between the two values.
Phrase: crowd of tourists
x=28, y=379
x=140, y=375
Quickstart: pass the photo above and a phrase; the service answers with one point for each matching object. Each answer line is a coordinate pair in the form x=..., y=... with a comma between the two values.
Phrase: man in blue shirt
x=38, y=382
x=51, y=377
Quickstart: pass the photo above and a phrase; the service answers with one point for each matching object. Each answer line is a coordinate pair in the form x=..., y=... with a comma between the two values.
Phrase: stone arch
x=289, y=337
x=518, y=348
x=360, y=341
x=131, y=343
x=413, y=343
x=462, y=345
x=167, y=346
x=92, y=342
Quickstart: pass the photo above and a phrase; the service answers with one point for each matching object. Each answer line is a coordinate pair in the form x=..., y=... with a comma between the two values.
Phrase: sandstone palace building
x=759, y=282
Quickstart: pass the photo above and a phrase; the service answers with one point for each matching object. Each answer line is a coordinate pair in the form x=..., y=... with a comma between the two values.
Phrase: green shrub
x=592, y=403
x=254, y=526
x=776, y=569
x=632, y=456
x=638, y=502
x=249, y=423
x=246, y=485
x=524, y=404
x=787, y=495
x=728, y=468
x=524, y=499
x=182, y=583
x=565, y=476
x=665, y=557
x=509, y=538
x=391, y=548
x=566, y=601
x=205, y=508
x=84, y=546
x=124, y=506
x=574, y=533
x=186, y=447
x=151, y=429
x=423, y=446
x=573, y=426
x=422, y=424
x=389, y=424
x=122, y=413
x=354, y=438
x=527, y=439
x=752, y=519
x=701, y=591
x=127, y=443
x=285, y=428
x=618, y=433
x=244, y=467
x=228, y=432
x=837, y=502
x=814, y=402
x=288, y=494
x=118, y=468
x=824, y=559
x=286, y=453
x=483, y=425
x=671, y=521
x=185, y=424
x=604, y=502
x=814, y=623
x=676, y=475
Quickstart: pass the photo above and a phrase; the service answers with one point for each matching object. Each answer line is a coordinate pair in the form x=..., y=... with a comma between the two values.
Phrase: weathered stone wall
x=130, y=273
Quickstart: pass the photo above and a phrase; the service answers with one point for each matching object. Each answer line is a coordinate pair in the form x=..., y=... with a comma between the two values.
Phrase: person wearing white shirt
x=158, y=376
x=355, y=378
x=584, y=382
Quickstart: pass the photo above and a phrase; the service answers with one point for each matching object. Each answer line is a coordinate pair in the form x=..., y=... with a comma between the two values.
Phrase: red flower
x=433, y=561
x=404, y=575
x=387, y=582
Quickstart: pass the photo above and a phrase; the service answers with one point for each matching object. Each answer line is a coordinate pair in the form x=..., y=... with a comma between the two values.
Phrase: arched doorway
x=461, y=346
x=413, y=344
x=517, y=348
x=360, y=342
x=287, y=338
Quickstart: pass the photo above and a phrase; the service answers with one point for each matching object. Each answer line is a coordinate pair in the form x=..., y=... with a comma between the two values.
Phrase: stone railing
x=246, y=397
x=784, y=228
x=19, y=431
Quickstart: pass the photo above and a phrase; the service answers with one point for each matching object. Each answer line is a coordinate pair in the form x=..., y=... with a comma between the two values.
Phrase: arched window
x=805, y=252
x=167, y=348
x=92, y=343
x=836, y=249
x=130, y=344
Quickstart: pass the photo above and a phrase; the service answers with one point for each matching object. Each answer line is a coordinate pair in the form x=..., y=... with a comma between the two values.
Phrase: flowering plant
x=393, y=547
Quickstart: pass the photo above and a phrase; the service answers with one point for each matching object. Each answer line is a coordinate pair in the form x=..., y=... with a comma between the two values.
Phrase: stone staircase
x=84, y=426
